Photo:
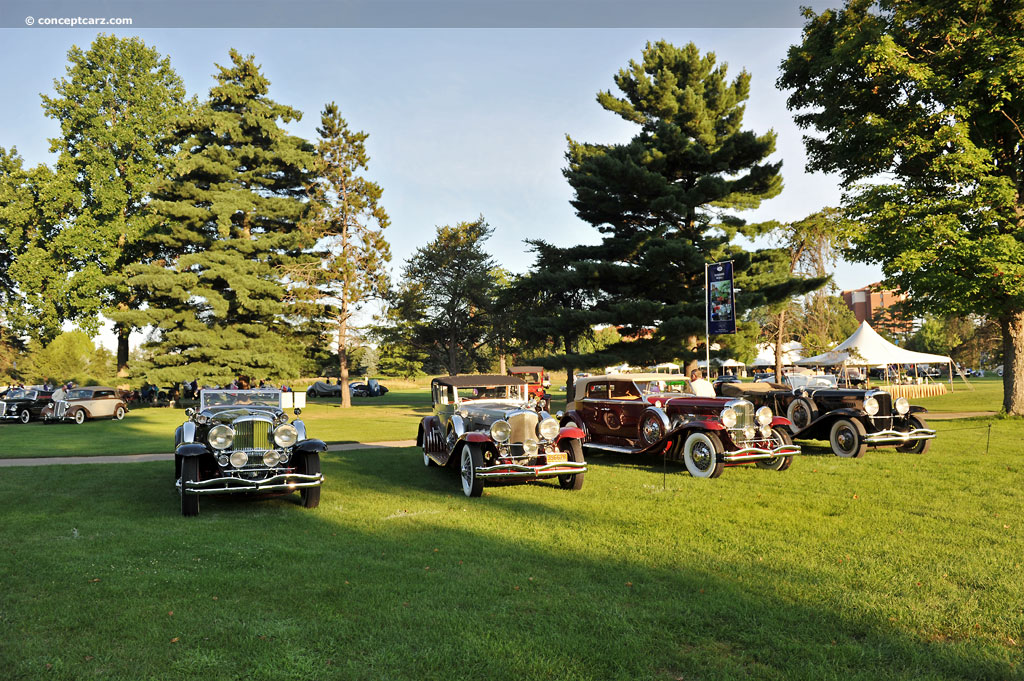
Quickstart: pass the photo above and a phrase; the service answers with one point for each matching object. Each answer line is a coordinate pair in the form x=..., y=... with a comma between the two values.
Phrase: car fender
x=573, y=417
x=917, y=410
x=781, y=421
x=703, y=425
x=426, y=424
x=475, y=437
x=191, y=449
x=310, y=446
x=456, y=424
x=572, y=432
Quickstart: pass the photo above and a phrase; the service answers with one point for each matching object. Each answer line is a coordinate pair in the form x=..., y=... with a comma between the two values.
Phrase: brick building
x=868, y=303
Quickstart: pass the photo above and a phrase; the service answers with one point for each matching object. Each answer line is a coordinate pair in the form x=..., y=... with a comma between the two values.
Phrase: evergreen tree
x=115, y=110
x=664, y=203
x=226, y=219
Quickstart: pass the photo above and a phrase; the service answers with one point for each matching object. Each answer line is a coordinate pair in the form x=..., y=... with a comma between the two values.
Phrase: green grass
x=987, y=395
x=893, y=566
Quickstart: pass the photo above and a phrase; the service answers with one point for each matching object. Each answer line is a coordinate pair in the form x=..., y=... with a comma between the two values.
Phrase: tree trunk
x=453, y=368
x=570, y=381
x=501, y=364
x=691, y=344
x=346, y=394
x=122, y=349
x=779, y=335
x=1013, y=363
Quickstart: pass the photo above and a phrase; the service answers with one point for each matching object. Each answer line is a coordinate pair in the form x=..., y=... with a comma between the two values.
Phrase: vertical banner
x=721, y=304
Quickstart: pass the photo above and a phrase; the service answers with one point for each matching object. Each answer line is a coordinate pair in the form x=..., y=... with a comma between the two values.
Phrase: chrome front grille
x=744, y=414
x=524, y=426
x=3, y=407
x=252, y=435
x=884, y=400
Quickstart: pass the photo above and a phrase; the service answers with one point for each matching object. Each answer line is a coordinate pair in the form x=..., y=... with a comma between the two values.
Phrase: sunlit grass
x=893, y=566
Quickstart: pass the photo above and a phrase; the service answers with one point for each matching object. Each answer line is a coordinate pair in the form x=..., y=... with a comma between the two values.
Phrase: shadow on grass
x=106, y=579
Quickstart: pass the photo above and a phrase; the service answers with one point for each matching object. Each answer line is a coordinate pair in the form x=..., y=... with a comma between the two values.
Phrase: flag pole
x=707, y=323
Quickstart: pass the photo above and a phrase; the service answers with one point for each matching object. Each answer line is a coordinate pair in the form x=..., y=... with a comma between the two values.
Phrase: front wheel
x=189, y=473
x=700, y=455
x=25, y=416
x=801, y=412
x=574, y=450
x=309, y=465
x=472, y=485
x=847, y=438
x=119, y=413
x=778, y=463
x=916, y=446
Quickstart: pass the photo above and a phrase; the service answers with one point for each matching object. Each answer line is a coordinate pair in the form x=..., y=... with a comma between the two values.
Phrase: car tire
x=778, y=463
x=309, y=465
x=801, y=412
x=80, y=417
x=189, y=473
x=119, y=413
x=25, y=416
x=700, y=455
x=470, y=460
x=574, y=449
x=847, y=438
x=916, y=446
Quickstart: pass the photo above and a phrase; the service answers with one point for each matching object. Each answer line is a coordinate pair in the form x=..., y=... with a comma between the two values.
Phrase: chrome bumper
x=758, y=453
x=513, y=471
x=285, y=482
x=895, y=437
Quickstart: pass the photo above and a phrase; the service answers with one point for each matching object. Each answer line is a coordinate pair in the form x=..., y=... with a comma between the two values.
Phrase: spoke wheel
x=574, y=449
x=652, y=430
x=471, y=459
x=916, y=446
x=310, y=465
x=189, y=473
x=700, y=455
x=801, y=413
x=847, y=439
x=778, y=463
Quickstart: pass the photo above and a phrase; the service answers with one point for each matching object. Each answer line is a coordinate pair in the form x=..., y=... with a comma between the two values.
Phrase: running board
x=618, y=449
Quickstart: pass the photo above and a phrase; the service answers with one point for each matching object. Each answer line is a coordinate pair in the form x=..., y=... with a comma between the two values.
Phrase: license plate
x=561, y=457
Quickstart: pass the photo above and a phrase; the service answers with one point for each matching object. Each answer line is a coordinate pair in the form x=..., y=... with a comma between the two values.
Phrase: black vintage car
x=24, y=404
x=850, y=419
x=240, y=442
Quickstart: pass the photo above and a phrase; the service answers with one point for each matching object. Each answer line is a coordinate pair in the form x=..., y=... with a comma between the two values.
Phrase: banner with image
x=721, y=303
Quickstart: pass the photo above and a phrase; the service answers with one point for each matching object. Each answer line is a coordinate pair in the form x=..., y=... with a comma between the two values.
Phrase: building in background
x=880, y=308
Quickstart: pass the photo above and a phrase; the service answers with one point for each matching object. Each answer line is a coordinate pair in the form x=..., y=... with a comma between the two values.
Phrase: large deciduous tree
x=226, y=221
x=665, y=202
x=920, y=103
x=348, y=229
x=115, y=108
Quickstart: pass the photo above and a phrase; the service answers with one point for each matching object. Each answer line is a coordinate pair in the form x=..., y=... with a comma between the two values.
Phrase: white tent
x=666, y=368
x=791, y=353
x=866, y=348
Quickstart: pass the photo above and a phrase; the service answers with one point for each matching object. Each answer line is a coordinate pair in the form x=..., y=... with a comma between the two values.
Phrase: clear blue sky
x=462, y=122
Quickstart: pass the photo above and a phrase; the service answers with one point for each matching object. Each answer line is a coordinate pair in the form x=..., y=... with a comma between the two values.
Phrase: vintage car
x=24, y=404
x=90, y=402
x=240, y=442
x=851, y=419
x=659, y=414
x=536, y=382
x=321, y=389
x=489, y=427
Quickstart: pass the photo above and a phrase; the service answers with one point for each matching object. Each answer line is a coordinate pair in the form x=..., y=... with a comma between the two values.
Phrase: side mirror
x=190, y=412
x=297, y=411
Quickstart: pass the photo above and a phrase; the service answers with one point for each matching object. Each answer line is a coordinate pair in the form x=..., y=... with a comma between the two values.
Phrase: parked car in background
x=488, y=427
x=374, y=388
x=727, y=378
x=90, y=402
x=850, y=419
x=241, y=442
x=659, y=414
x=24, y=404
x=321, y=389
x=537, y=381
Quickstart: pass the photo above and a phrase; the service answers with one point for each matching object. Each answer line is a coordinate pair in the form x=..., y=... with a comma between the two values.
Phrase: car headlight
x=271, y=458
x=286, y=435
x=728, y=417
x=239, y=459
x=750, y=432
x=870, y=406
x=902, y=405
x=766, y=432
x=530, y=448
x=220, y=436
x=501, y=431
x=548, y=429
x=764, y=416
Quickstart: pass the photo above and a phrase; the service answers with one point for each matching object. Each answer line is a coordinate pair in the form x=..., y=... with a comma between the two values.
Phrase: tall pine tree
x=665, y=203
x=227, y=215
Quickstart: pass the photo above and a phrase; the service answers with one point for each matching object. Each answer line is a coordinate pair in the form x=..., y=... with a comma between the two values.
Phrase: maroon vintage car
x=656, y=413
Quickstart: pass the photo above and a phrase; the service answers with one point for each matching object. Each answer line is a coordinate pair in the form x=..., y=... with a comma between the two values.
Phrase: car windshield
x=501, y=392
x=822, y=381
x=529, y=377
x=257, y=398
x=79, y=394
x=659, y=387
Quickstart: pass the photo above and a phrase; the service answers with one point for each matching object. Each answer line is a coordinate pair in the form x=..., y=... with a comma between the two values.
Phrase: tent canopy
x=866, y=348
x=791, y=352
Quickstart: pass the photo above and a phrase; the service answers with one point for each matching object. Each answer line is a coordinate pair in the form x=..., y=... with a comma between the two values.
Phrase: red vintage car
x=536, y=383
x=655, y=413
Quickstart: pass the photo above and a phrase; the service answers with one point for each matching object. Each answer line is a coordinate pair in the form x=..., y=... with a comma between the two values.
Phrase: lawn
x=893, y=566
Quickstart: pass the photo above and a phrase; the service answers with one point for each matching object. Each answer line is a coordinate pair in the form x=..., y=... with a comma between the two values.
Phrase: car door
x=626, y=406
x=594, y=407
x=102, y=405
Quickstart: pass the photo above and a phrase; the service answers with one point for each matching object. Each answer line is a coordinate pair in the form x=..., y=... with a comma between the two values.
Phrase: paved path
x=950, y=415
x=135, y=458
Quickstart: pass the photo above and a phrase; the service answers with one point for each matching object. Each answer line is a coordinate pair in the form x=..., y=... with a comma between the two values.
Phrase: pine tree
x=227, y=215
x=665, y=203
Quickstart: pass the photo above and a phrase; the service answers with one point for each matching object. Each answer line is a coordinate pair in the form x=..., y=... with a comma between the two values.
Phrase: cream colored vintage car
x=90, y=402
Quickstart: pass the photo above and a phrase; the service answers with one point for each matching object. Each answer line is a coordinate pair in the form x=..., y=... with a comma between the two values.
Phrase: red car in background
x=659, y=414
x=537, y=384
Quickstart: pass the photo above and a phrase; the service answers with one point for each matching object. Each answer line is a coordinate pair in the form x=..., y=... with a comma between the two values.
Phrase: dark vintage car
x=240, y=442
x=490, y=429
x=536, y=382
x=851, y=419
x=658, y=414
x=24, y=404
x=90, y=402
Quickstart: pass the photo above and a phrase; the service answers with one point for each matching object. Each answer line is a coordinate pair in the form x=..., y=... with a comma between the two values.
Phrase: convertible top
x=478, y=380
x=525, y=369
